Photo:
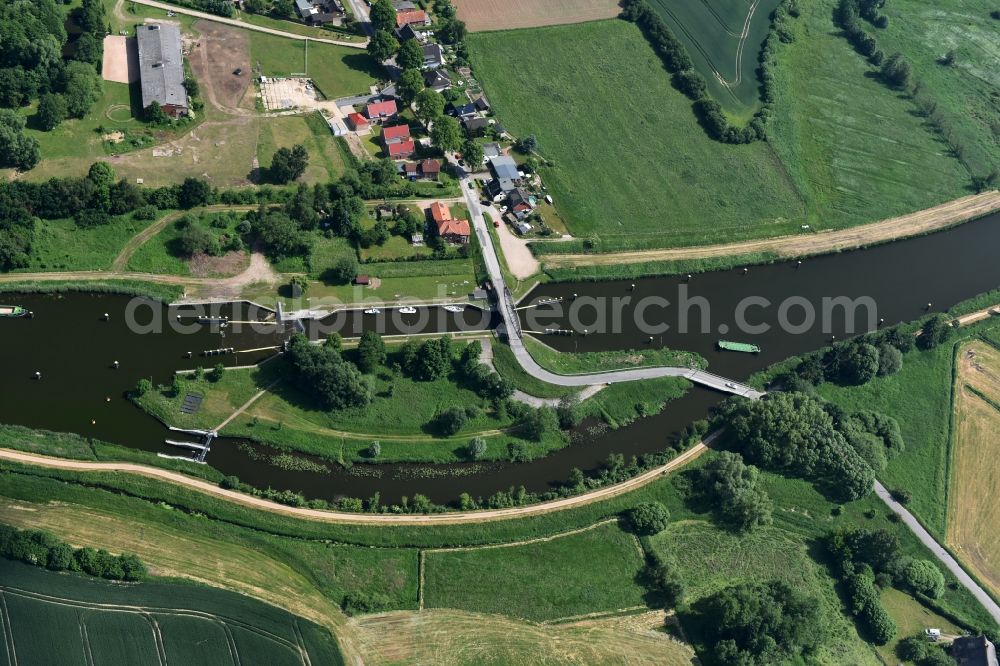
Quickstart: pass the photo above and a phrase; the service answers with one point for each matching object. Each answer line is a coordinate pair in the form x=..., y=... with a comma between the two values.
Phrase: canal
x=75, y=348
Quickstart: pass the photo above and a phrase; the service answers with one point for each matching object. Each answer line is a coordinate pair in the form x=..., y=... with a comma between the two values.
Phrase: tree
x=447, y=134
x=472, y=153
x=410, y=55
x=536, y=422
x=16, y=148
x=371, y=351
x=936, y=331
x=51, y=111
x=88, y=49
x=299, y=284
x=91, y=17
x=143, y=387
x=477, y=448
x=155, y=114
x=288, y=164
x=279, y=235
x=375, y=449
x=890, y=360
x=648, y=518
x=733, y=487
x=665, y=579
x=218, y=372
x=194, y=192
x=451, y=31
x=344, y=270
x=431, y=360
x=430, y=105
x=382, y=45
x=409, y=85
x=527, y=144
x=897, y=71
x=195, y=239
x=923, y=577
x=320, y=371
x=383, y=15
x=450, y=421
x=760, y=623
x=856, y=363
x=82, y=88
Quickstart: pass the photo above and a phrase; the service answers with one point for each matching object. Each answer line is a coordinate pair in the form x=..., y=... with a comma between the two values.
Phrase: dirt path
x=247, y=26
x=214, y=490
x=521, y=263
x=932, y=219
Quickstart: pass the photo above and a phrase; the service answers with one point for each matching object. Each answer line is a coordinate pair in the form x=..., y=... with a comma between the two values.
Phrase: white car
x=454, y=308
x=731, y=385
x=373, y=311
x=408, y=310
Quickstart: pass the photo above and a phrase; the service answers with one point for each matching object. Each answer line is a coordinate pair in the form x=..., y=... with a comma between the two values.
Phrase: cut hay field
x=724, y=39
x=973, y=513
x=64, y=619
x=631, y=164
x=482, y=15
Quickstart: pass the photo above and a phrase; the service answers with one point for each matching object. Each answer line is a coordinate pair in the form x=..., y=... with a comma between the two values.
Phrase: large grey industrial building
x=161, y=68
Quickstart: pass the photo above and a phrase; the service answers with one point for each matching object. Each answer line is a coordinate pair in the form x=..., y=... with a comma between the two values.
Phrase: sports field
x=973, y=513
x=51, y=618
x=506, y=14
x=724, y=39
x=631, y=164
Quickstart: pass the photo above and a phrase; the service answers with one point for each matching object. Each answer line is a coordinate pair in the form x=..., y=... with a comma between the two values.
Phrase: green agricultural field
x=337, y=71
x=724, y=39
x=587, y=572
x=856, y=150
x=632, y=166
x=67, y=619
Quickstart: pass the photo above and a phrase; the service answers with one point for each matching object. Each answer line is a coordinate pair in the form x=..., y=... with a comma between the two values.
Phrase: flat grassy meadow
x=632, y=166
x=338, y=71
x=590, y=571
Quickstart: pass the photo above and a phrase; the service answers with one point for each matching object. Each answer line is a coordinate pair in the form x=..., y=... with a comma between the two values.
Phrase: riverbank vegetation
x=582, y=363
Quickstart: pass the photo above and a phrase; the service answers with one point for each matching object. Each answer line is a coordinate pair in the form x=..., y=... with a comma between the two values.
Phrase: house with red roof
x=397, y=141
x=380, y=110
x=358, y=122
x=448, y=228
x=412, y=17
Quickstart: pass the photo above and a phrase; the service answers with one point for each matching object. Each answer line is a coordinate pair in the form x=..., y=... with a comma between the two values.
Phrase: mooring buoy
x=115, y=365
x=38, y=375
x=106, y=316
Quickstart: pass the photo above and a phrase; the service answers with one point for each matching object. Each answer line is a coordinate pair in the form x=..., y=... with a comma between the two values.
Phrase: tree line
x=43, y=549
x=688, y=81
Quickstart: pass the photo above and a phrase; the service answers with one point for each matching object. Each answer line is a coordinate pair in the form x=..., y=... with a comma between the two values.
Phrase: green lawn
x=162, y=255
x=632, y=165
x=712, y=34
x=588, y=572
x=337, y=71
x=326, y=162
x=568, y=363
x=856, y=150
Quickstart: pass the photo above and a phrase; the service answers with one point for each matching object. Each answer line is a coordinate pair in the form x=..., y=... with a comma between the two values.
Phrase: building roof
x=433, y=54
x=402, y=5
x=492, y=150
x=482, y=103
x=454, y=228
x=437, y=79
x=440, y=212
x=411, y=168
x=410, y=16
x=401, y=148
x=406, y=33
x=357, y=120
x=973, y=651
x=464, y=110
x=362, y=279
x=383, y=108
x=430, y=166
x=305, y=8
x=504, y=168
x=475, y=123
x=518, y=196
x=161, y=65
x=395, y=133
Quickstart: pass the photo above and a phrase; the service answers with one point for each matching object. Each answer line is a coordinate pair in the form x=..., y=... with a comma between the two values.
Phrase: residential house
x=482, y=103
x=439, y=212
x=381, y=110
x=505, y=176
x=358, y=122
x=430, y=169
x=161, y=68
x=319, y=12
x=448, y=228
x=397, y=141
x=406, y=33
x=437, y=80
x=433, y=55
x=974, y=651
x=410, y=170
x=403, y=5
x=519, y=203
x=475, y=125
x=412, y=17
x=491, y=150
x=461, y=111
x=362, y=281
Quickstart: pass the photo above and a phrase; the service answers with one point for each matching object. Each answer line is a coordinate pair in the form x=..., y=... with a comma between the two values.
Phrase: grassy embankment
x=826, y=165
x=61, y=627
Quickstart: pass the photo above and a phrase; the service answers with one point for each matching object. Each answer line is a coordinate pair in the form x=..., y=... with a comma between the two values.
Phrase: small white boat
x=408, y=310
x=373, y=311
x=455, y=308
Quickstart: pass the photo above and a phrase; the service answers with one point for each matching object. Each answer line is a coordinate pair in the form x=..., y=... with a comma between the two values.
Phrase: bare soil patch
x=227, y=265
x=506, y=14
x=220, y=51
x=121, y=59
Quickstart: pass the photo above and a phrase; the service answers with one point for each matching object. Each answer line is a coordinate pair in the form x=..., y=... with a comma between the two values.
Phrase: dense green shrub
x=45, y=550
x=648, y=518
